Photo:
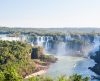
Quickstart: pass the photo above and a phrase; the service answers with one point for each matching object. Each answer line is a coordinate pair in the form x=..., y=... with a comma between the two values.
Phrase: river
x=68, y=65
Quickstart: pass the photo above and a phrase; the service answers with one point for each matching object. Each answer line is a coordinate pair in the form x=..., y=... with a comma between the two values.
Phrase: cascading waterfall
x=40, y=41
x=59, y=46
x=96, y=44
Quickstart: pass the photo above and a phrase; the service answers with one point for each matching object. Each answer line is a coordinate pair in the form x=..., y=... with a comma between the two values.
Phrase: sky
x=50, y=13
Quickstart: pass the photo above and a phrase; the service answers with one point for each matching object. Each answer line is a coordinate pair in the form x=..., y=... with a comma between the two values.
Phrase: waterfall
x=96, y=44
x=61, y=48
x=58, y=44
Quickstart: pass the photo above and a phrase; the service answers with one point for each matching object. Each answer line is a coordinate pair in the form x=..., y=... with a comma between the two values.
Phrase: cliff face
x=96, y=58
x=37, y=52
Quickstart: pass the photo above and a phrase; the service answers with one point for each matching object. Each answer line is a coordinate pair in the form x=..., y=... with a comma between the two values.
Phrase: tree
x=2, y=77
x=11, y=75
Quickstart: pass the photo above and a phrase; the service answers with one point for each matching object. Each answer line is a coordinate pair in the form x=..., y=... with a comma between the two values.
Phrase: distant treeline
x=49, y=31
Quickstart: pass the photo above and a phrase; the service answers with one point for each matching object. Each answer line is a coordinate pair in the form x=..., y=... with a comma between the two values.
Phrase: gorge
x=73, y=51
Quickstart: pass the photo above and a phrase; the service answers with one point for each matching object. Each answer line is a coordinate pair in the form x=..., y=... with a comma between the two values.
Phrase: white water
x=61, y=49
x=5, y=37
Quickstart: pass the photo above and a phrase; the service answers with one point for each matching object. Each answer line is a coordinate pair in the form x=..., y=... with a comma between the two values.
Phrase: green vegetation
x=16, y=61
x=74, y=77
x=37, y=53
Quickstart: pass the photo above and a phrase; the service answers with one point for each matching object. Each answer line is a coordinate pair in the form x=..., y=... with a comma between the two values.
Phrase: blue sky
x=50, y=13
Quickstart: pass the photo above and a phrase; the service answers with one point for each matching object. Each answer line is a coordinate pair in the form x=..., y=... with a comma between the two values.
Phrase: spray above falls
x=74, y=45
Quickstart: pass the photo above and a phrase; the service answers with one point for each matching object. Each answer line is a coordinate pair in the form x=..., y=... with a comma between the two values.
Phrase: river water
x=68, y=65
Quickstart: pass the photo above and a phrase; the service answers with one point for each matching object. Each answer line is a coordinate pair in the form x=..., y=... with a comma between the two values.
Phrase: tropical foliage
x=74, y=77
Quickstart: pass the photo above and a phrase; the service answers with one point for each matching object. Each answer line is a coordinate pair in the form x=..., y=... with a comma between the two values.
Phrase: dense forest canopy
x=15, y=56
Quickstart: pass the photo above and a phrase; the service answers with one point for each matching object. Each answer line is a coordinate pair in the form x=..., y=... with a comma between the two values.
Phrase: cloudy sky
x=50, y=13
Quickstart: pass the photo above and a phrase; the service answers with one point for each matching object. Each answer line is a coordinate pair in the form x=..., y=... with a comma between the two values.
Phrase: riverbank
x=36, y=74
x=96, y=67
x=40, y=70
x=41, y=66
